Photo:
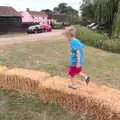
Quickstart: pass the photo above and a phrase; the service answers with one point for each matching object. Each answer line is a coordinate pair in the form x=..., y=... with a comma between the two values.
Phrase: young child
x=76, y=57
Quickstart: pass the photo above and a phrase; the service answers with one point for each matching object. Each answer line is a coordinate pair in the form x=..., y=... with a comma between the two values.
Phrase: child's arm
x=78, y=58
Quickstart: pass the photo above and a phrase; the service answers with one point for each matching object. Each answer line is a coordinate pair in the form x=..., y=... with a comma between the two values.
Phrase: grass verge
x=52, y=57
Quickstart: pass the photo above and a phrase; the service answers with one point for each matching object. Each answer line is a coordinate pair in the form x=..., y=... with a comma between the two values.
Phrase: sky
x=37, y=5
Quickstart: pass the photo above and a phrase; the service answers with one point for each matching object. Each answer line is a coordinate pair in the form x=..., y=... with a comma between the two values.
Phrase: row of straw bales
x=97, y=102
x=22, y=80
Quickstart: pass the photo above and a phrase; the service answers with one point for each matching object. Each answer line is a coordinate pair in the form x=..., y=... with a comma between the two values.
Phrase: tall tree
x=103, y=12
x=116, y=26
x=47, y=11
x=109, y=15
x=88, y=10
x=72, y=14
x=62, y=8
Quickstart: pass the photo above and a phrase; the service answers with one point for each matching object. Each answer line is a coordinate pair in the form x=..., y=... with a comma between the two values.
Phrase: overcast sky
x=21, y=5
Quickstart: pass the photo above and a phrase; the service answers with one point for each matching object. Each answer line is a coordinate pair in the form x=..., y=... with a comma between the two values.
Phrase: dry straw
x=97, y=102
x=93, y=101
x=22, y=80
x=3, y=69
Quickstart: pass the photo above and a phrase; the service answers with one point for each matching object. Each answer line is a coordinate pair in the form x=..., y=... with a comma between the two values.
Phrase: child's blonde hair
x=71, y=31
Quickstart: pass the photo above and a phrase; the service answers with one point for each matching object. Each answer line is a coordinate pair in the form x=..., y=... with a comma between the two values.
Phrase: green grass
x=98, y=40
x=14, y=106
x=52, y=57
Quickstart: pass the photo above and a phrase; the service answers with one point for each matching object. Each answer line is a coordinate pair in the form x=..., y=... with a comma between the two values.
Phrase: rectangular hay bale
x=100, y=103
x=22, y=80
x=90, y=101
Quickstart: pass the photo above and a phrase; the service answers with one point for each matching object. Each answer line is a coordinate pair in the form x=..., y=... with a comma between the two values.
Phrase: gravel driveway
x=55, y=34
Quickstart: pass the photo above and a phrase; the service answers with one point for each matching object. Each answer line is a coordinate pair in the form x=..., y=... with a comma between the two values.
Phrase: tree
x=72, y=14
x=88, y=11
x=116, y=26
x=103, y=12
x=47, y=11
x=109, y=15
x=62, y=8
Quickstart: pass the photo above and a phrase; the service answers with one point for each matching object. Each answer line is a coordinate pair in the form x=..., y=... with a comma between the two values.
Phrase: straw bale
x=98, y=102
x=92, y=101
x=3, y=69
x=33, y=74
x=22, y=80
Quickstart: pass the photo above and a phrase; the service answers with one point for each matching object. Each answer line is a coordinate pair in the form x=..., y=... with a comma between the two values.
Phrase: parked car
x=99, y=27
x=47, y=28
x=39, y=28
x=35, y=29
x=102, y=26
x=91, y=25
x=95, y=27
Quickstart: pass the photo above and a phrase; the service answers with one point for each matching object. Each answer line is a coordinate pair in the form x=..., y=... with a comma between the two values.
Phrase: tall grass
x=98, y=40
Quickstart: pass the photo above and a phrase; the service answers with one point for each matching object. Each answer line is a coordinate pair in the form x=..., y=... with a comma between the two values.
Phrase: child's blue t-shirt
x=76, y=45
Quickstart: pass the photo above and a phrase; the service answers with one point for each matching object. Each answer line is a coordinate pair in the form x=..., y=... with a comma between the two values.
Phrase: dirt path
x=55, y=34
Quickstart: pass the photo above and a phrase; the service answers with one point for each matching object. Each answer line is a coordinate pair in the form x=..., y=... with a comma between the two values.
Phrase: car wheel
x=45, y=31
x=35, y=31
x=42, y=31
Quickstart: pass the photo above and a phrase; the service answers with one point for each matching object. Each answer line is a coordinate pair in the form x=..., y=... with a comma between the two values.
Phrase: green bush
x=112, y=45
x=57, y=26
x=98, y=40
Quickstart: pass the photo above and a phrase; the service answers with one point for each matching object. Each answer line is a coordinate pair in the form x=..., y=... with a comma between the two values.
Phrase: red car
x=47, y=28
x=39, y=29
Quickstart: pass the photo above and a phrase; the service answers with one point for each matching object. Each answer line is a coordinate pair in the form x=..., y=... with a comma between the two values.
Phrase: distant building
x=10, y=20
x=60, y=18
x=35, y=17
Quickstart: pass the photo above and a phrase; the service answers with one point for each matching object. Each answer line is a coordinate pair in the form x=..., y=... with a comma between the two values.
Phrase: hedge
x=98, y=40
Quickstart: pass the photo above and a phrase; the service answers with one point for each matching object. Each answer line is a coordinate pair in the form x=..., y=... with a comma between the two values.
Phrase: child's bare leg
x=85, y=76
x=72, y=83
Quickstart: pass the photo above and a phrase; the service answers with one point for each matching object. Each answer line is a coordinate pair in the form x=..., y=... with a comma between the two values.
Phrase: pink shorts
x=73, y=71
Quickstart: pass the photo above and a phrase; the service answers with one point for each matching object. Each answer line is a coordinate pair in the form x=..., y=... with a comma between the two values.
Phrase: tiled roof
x=37, y=13
x=8, y=11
